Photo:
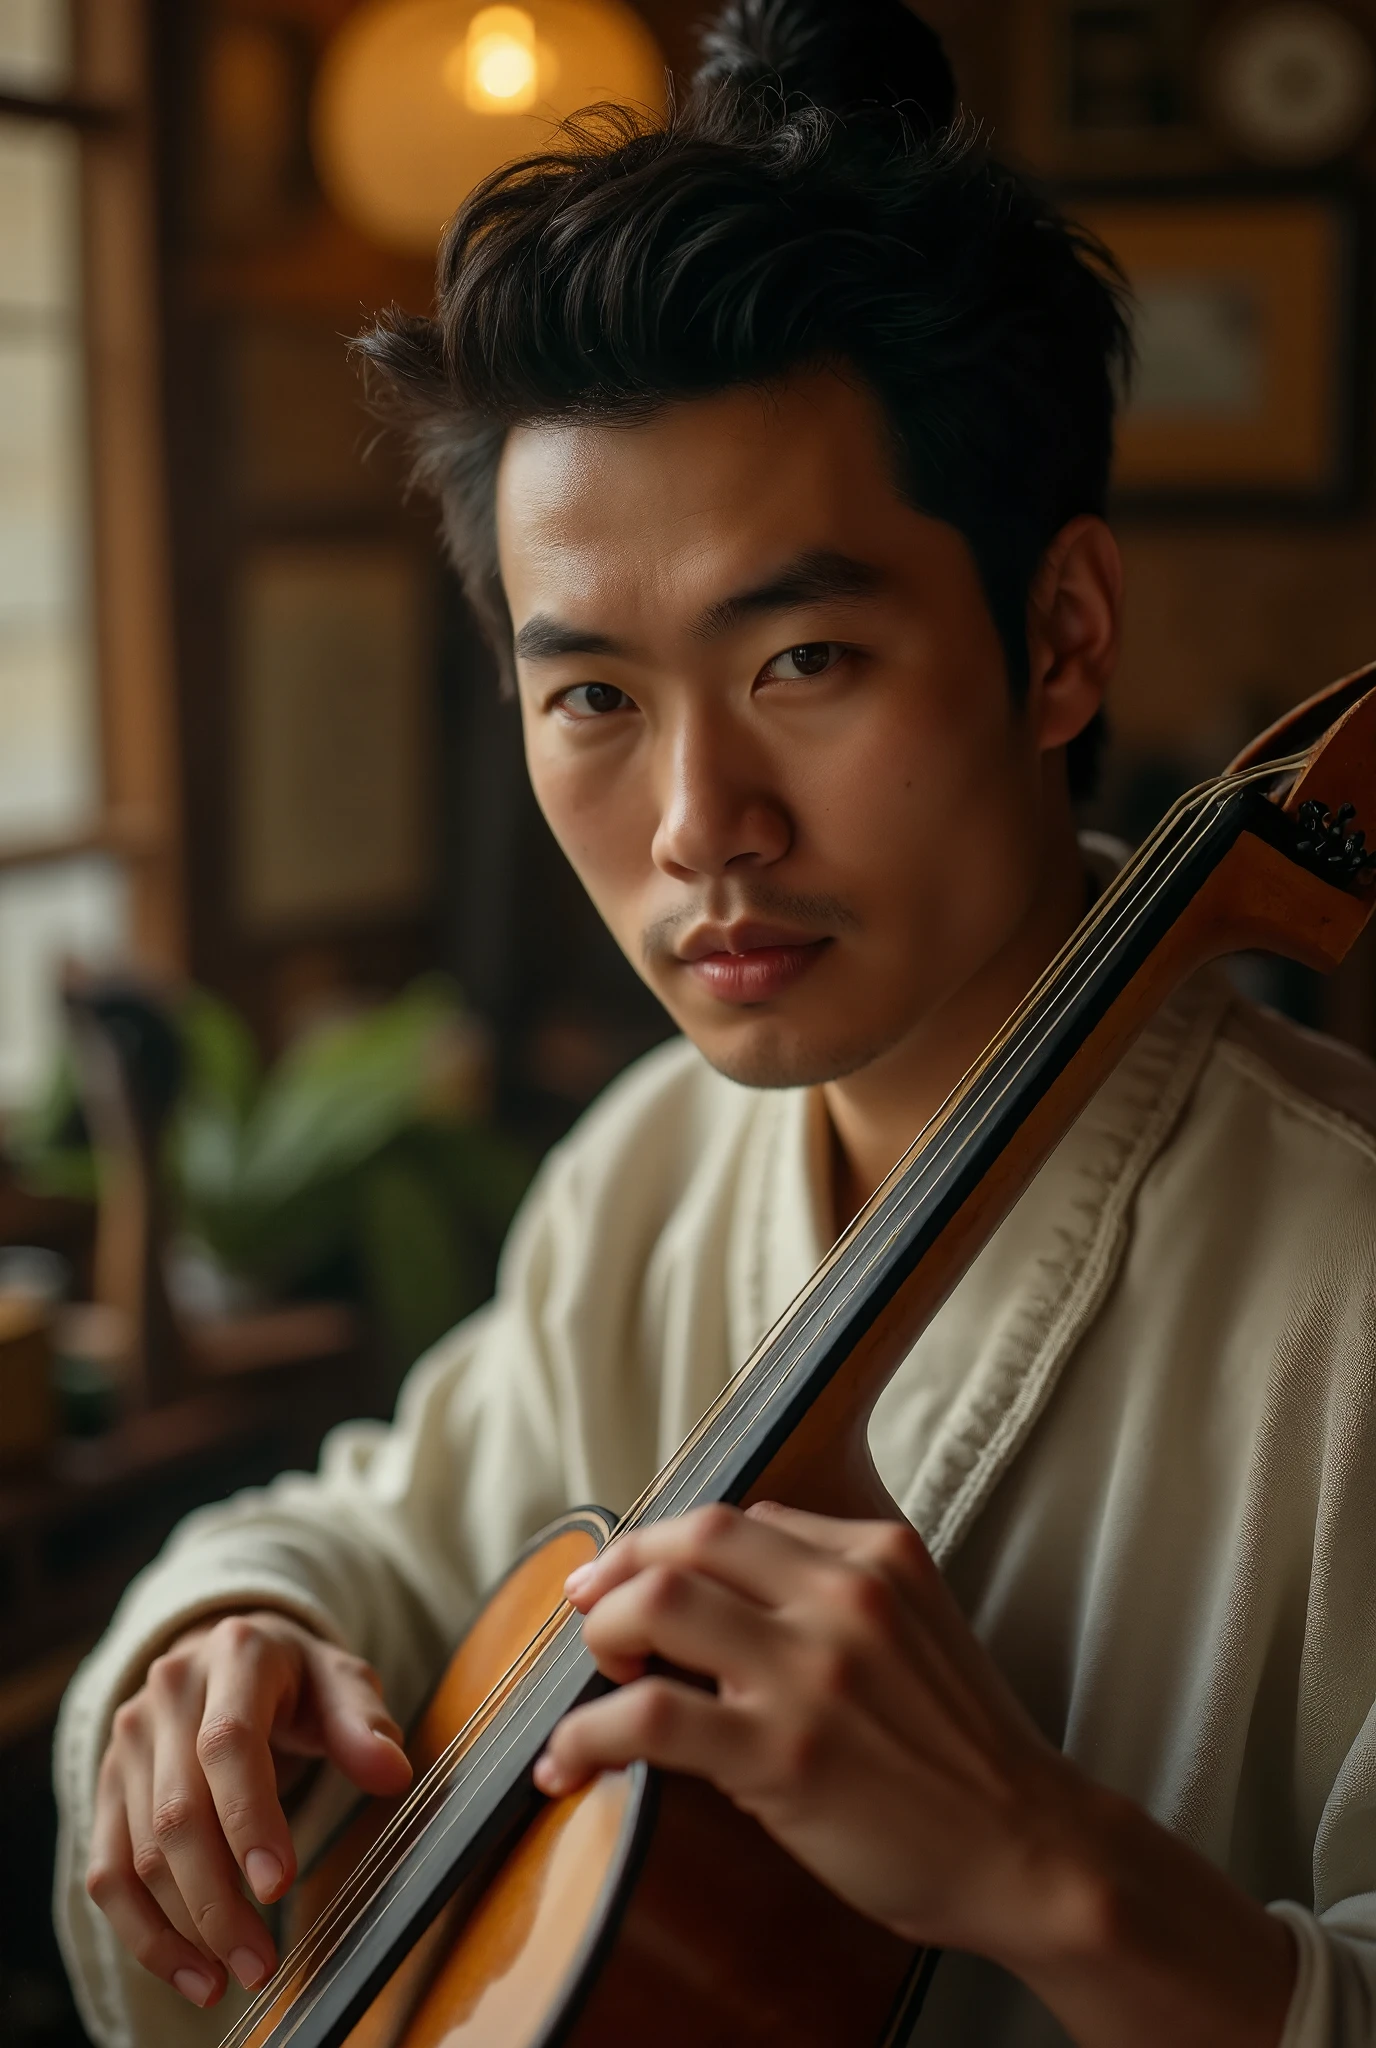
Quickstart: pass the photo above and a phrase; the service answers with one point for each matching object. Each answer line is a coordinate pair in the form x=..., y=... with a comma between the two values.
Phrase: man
x=773, y=451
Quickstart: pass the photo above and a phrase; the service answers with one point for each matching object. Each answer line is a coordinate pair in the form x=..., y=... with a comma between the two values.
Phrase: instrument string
x=935, y=1151
x=780, y=1358
x=978, y=1110
x=436, y=1783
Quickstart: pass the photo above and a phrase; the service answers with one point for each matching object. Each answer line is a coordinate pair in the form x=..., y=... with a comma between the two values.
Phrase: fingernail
x=249, y=1968
x=264, y=1873
x=578, y=1581
x=389, y=1732
x=192, y=1985
x=547, y=1775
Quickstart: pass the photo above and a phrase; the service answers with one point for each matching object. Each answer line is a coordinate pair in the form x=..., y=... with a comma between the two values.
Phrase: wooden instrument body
x=644, y=1908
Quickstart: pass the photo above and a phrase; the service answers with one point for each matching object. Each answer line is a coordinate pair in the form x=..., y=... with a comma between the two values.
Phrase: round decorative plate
x=1293, y=82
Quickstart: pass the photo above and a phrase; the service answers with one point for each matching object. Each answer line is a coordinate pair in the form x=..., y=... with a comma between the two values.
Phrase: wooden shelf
x=74, y=1534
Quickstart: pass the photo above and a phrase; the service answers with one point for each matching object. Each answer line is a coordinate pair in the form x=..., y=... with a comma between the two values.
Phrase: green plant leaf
x=420, y=1270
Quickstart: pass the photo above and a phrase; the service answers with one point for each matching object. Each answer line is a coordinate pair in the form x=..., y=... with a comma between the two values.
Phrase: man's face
x=768, y=718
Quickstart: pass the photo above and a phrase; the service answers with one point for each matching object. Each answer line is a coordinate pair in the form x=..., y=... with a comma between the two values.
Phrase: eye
x=811, y=658
x=593, y=700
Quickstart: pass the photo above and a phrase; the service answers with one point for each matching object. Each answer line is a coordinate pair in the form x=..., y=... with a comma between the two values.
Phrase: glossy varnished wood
x=515, y=1964
x=725, y=1940
x=518, y=1611
x=643, y=1909
x=1256, y=899
x=1305, y=723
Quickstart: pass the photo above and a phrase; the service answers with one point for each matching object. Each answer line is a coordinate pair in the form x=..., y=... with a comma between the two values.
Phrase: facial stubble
x=765, y=1049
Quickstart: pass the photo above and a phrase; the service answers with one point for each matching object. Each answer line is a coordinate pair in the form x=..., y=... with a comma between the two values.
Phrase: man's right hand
x=191, y=1785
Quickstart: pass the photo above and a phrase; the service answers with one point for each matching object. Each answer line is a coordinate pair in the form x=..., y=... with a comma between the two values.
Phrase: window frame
x=138, y=820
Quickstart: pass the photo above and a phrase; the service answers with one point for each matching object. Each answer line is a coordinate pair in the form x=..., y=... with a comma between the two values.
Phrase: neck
x=876, y=1113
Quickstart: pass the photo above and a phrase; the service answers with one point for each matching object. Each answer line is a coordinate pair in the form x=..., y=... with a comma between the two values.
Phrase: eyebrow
x=542, y=638
x=818, y=576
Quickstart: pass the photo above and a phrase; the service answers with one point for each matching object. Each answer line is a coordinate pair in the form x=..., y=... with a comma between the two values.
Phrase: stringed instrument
x=645, y=1908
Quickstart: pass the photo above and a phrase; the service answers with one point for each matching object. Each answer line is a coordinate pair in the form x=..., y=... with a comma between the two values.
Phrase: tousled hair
x=816, y=200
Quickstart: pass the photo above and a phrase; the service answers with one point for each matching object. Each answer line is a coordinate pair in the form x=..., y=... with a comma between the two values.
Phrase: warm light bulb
x=503, y=67
x=417, y=101
x=496, y=69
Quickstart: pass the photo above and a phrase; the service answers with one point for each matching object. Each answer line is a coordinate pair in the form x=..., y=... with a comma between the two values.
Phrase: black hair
x=816, y=199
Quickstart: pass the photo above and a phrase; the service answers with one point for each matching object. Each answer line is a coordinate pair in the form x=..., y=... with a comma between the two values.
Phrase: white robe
x=1140, y=1439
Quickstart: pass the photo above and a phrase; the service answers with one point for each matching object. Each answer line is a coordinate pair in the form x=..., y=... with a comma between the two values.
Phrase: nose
x=717, y=808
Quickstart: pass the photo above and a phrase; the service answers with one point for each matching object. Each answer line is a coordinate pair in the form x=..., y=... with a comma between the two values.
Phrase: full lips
x=758, y=974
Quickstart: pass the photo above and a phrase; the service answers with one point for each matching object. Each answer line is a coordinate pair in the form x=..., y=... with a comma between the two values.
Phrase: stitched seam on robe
x=1121, y=1131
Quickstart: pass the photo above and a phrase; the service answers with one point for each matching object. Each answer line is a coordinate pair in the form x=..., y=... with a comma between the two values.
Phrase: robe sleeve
x=1334, y=2001
x=386, y=1548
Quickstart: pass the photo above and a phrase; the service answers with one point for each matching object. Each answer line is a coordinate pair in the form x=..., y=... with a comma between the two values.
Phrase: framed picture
x=1243, y=322
x=1189, y=88
x=333, y=690
x=1108, y=88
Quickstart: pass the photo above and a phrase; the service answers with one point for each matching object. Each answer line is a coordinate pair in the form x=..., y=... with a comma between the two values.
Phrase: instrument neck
x=987, y=1141
x=792, y=1423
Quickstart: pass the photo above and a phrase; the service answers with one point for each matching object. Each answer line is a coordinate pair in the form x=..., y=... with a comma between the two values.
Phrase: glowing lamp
x=419, y=99
x=498, y=67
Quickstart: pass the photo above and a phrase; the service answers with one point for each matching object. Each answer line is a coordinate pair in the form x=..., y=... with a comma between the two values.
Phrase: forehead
x=664, y=514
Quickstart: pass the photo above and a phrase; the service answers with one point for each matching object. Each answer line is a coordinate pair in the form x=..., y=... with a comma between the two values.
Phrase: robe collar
x=961, y=1405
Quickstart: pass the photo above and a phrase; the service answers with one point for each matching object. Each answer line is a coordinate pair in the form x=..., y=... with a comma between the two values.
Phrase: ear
x=1074, y=624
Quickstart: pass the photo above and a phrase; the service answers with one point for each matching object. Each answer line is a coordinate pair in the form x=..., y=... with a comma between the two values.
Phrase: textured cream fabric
x=1140, y=1438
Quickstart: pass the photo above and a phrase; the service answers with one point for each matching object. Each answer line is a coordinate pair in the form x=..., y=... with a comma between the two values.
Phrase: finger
x=187, y=1830
x=688, y=1620
x=894, y=1543
x=655, y=1721
x=893, y=1586
x=356, y=1731
x=251, y=1678
x=138, y=1921
x=892, y=1551
x=150, y=1865
x=719, y=1542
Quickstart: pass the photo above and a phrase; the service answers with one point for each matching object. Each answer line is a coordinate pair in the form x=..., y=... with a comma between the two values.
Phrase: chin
x=761, y=1054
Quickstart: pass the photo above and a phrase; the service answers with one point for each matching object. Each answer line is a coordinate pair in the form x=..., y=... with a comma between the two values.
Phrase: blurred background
x=294, y=987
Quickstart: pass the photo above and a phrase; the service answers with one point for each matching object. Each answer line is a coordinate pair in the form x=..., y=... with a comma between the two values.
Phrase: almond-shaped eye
x=593, y=700
x=811, y=658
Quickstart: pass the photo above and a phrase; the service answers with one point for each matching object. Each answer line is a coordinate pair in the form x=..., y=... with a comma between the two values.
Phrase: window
x=87, y=803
